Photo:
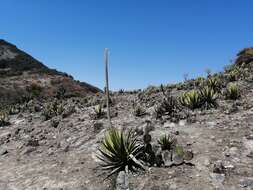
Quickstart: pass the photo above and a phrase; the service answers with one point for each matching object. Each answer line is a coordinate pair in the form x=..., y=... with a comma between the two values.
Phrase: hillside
x=22, y=77
x=53, y=145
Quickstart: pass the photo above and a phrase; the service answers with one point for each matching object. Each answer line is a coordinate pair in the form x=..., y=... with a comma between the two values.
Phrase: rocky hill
x=22, y=77
x=208, y=123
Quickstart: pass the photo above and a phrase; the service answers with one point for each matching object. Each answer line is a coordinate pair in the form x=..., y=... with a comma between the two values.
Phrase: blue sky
x=151, y=41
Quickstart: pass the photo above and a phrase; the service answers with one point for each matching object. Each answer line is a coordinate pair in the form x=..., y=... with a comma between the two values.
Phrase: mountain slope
x=23, y=77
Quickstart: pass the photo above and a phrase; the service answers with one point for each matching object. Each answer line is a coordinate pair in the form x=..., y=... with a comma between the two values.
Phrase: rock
x=151, y=158
x=246, y=182
x=177, y=159
x=54, y=123
x=229, y=167
x=148, y=127
x=28, y=150
x=188, y=155
x=159, y=160
x=182, y=123
x=139, y=130
x=167, y=158
x=233, y=151
x=147, y=138
x=122, y=182
x=211, y=124
x=169, y=125
x=33, y=142
x=206, y=162
x=98, y=126
x=148, y=148
x=218, y=168
x=217, y=179
x=3, y=152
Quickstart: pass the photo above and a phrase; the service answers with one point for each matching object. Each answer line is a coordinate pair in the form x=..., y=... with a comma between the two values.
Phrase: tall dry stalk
x=107, y=87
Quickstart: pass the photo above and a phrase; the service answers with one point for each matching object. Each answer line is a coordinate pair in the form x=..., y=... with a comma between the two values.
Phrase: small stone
x=3, y=152
x=177, y=159
x=218, y=168
x=147, y=138
x=206, y=162
x=211, y=124
x=122, y=182
x=217, y=179
x=182, y=123
x=98, y=126
x=54, y=123
x=166, y=156
x=33, y=142
x=28, y=150
x=247, y=182
x=233, y=151
x=188, y=155
x=230, y=166
x=159, y=160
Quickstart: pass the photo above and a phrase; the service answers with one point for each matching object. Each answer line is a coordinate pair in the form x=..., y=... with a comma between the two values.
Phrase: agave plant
x=120, y=149
x=52, y=109
x=99, y=111
x=191, y=99
x=4, y=120
x=138, y=111
x=167, y=142
x=234, y=74
x=168, y=105
x=214, y=83
x=232, y=92
x=209, y=96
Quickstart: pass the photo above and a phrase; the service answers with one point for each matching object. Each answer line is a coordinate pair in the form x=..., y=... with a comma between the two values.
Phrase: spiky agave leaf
x=167, y=142
x=232, y=92
x=209, y=96
x=191, y=99
x=116, y=151
x=214, y=83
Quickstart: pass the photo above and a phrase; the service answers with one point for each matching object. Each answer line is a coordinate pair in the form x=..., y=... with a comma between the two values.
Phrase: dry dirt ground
x=34, y=155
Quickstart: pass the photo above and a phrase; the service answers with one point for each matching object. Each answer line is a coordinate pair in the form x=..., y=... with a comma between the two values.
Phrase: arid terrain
x=49, y=139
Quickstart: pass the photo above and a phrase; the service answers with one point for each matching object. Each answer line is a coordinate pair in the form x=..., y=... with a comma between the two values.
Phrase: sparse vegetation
x=118, y=150
x=232, y=92
x=191, y=99
x=214, y=84
x=34, y=90
x=209, y=97
x=4, y=119
x=138, y=111
x=168, y=106
x=52, y=109
x=167, y=142
x=99, y=111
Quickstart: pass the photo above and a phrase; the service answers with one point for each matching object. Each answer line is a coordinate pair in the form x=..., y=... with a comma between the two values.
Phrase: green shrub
x=4, y=119
x=99, y=111
x=117, y=151
x=167, y=142
x=34, y=90
x=52, y=109
x=232, y=92
x=199, y=81
x=168, y=105
x=191, y=99
x=138, y=111
x=214, y=83
x=209, y=97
